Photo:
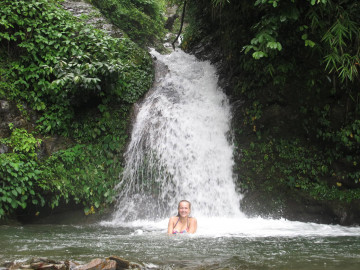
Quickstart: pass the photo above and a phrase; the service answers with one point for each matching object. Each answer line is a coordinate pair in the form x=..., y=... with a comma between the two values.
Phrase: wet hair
x=178, y=215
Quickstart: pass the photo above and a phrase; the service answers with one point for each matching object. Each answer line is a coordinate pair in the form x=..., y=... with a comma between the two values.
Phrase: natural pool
x=180, y=149
x=220, y=243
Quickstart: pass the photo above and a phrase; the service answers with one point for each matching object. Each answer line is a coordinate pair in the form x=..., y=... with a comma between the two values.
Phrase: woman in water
x=182, y=223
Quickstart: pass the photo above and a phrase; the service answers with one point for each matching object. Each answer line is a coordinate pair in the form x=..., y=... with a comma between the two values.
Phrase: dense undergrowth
x=294, y=65
x=142, y=20
x=72, y=81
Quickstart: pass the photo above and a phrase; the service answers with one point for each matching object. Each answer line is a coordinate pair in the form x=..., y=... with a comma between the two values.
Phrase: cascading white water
x=179, y=146
x=180, y=149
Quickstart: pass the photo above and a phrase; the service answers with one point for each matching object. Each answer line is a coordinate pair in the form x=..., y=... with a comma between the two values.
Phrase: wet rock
x=6, y=117
x=170, y=21
x=47, y=266
x=4, y=149
x=9, y=113
x=98, y=264
x=4, y=106
x=53, y=144
x=36, y=265
x=53, y=267
x=111, y=263
x=43, y=260
x=43, y=264
x=9, y=265
x=70, y=265
x=92, y=16
x=25, y=266
x=120, y=263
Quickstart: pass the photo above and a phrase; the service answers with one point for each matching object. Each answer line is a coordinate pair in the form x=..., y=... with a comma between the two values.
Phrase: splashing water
x=179, y=146
x=180, y=149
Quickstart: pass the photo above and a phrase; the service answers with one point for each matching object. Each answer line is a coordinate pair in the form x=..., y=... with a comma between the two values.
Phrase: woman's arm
x=171, y=225
x=192, y=225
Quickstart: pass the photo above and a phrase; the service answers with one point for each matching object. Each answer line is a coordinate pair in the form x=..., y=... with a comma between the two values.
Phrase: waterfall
x=180, y=146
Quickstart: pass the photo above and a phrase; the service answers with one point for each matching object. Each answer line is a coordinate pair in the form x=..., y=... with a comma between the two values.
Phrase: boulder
x=95, y=264
x=110, y=265
x=99, y=264
x=45, y=264
x=124, y=264
x=120, y=262
x=70, y=265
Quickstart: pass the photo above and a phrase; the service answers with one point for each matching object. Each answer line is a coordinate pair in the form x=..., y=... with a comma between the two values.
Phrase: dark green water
x=155, y=250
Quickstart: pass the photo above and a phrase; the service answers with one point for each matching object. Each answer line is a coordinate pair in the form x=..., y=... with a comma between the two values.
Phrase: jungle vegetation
x=74, y=82
x=294, y=69
x=293, y=80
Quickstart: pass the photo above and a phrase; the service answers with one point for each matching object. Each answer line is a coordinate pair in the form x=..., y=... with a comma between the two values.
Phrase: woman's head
x=184, y=208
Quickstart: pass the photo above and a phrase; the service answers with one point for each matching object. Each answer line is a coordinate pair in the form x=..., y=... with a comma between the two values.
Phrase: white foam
x=179, y=146
x=245, y=227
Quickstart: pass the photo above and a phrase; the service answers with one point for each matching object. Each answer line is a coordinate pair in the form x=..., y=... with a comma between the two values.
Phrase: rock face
x=91, y=15
x=111, y=263
x=98, y=264
x=8, y=114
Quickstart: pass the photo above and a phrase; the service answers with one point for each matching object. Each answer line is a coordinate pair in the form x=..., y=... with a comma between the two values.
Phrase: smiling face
x=184, y=209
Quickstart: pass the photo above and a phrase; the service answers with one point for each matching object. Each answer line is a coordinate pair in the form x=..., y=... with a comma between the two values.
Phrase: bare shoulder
x=173, y=218
x=192, y=225
x=192, y=219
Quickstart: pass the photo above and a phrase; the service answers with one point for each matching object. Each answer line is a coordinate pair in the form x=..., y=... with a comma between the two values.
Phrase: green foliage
x=82, y=174
x=336, y=24
x=142, y=20
x=77, y=82
x=22, y=142
x=291, y=164
x=294, y=66
x=19, y=172
x=87, y=173
x=62, y=63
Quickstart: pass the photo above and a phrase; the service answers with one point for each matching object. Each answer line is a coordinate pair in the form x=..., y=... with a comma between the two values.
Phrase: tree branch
x=181, y=26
